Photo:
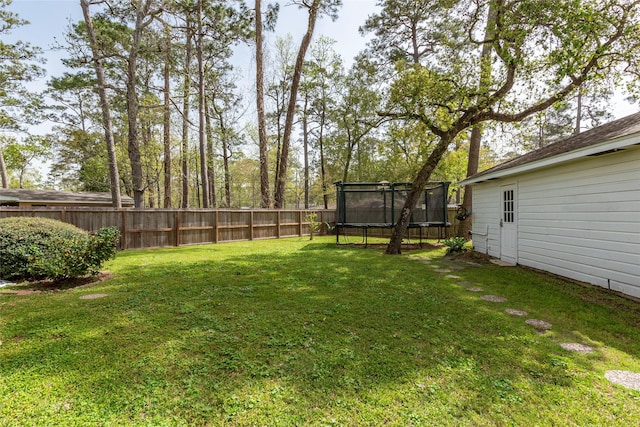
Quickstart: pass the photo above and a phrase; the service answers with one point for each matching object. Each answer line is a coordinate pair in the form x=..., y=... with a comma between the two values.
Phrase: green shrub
x=41, y=248
x=455, y=244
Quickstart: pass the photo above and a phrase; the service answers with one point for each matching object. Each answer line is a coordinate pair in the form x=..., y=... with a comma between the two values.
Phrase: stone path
x=93, y=296
x=628, y=379
x=493, y=298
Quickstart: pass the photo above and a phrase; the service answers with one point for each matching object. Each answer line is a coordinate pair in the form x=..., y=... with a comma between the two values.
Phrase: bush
x=455, y=244
x=41, y=248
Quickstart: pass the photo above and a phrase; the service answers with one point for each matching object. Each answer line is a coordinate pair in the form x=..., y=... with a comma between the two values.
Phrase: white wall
x=485, y=217
x=579, y=220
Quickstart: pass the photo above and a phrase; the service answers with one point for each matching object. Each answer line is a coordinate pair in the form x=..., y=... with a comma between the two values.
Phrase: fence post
x=216, y=237
x=278, y=224
x=177, y=226
x=300, y=223
x=251, y=225
x=123, y=229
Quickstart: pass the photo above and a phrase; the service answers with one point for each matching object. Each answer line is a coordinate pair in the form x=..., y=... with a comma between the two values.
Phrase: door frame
x=509, y=222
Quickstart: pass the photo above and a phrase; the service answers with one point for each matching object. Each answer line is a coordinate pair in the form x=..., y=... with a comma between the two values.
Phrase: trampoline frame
x=389, y=208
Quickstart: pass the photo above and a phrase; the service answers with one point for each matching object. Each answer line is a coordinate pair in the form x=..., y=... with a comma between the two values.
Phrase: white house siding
x=579, y=220
x=486, y=219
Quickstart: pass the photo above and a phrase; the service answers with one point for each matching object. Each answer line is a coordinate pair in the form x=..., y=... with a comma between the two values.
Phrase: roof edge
x=612, y=144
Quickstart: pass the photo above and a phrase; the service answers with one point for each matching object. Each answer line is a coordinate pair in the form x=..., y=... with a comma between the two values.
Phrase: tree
x=350, y=145
x=3, y=171
x=18, y=65
x=186, y=93
x=323, y=74
x=546, y=49
x=278, y=88
x=263, y=143
x=114, y=176
x=166, y=108
x=20, y=154
x=314, y=8
x=204, y=176
x=476, y=131
x=143, y=15
x=408, y=31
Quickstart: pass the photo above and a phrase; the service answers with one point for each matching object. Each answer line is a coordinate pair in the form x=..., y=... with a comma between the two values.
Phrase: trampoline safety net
x=378, y=204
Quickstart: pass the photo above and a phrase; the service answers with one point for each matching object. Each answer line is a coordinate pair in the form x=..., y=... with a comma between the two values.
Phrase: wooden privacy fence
x=152, y=228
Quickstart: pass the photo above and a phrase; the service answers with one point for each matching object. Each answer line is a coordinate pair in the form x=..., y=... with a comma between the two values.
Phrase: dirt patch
x=406, y=247
x=37, y=286
x=471, y=256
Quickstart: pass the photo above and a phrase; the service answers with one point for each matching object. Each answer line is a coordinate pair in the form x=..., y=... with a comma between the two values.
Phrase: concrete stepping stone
x=465, y=283
x=576, y=347
x=452, y=276
x=493, y=298
x=93, y=296
x=475, y=289
x=540, y=325
x=515, y=312
x=442, y=270
x=626, y=379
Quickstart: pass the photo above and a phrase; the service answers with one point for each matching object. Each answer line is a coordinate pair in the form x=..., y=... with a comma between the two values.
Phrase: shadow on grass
x=300, y=331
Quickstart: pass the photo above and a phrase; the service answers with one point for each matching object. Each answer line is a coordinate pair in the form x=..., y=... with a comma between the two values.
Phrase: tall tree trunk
x=226, y=156
x=278, y=149
x=472, y=168
x=578, y=128
x=305, y=143
x=213, y=196
x=201, y=112
x=475, y=140
x=3, y=172
x=323, y=172
x=186, y=88
x=417, y=187
x=114, y=176
x=265, y=201
x=350, y=146
x=135, y=158
x=166, y=137
x=295, y=84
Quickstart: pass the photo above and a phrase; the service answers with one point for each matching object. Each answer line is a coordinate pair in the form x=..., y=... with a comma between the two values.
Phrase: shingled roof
x=598, y=136
x=53, y=196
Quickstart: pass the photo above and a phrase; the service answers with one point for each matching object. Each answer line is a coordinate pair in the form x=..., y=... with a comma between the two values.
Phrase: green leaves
x=40, y=248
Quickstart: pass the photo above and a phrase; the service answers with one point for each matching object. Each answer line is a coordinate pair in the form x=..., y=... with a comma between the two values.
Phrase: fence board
x=150, y=228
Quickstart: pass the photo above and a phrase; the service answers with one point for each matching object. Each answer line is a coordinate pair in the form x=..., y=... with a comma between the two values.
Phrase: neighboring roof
x=53, y=196
x=609, y=137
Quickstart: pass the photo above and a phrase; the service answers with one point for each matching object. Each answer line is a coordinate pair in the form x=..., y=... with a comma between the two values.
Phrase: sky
x=49, y=20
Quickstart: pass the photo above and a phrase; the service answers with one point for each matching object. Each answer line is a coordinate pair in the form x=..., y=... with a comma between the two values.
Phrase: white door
x=509, y=225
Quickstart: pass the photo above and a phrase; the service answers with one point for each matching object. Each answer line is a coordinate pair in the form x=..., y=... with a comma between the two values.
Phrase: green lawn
x=297, y=332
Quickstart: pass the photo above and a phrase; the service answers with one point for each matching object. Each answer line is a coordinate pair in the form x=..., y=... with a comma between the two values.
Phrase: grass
x=297, y=332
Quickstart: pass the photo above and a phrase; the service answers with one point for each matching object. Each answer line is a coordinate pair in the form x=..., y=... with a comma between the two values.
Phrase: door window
x=508, y=207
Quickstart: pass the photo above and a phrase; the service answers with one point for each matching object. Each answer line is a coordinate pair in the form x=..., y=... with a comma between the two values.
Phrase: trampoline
x=377, y=205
